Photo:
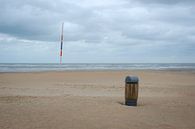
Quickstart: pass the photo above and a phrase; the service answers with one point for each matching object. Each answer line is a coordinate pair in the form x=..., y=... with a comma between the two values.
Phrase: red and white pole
x=62, y=37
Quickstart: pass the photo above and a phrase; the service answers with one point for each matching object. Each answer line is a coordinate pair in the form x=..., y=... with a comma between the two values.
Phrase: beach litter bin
x=131, y=90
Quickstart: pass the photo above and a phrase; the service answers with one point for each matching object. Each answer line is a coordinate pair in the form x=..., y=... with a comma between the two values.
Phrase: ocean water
x=27, y=67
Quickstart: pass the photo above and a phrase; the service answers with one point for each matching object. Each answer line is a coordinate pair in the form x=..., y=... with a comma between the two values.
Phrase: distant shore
x=95, y=99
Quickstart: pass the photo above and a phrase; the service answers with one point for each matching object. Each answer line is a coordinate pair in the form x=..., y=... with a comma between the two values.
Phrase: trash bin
x=131, y=90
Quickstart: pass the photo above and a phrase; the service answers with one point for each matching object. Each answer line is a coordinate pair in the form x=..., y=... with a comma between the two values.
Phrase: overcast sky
x=97, y=31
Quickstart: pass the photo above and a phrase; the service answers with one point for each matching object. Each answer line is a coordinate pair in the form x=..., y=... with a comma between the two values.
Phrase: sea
x=39, y=67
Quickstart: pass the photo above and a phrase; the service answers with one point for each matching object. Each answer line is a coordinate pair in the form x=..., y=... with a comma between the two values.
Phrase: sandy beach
x=95, y=100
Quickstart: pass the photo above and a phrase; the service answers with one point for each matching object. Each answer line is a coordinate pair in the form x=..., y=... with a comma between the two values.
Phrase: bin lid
x=131, y=79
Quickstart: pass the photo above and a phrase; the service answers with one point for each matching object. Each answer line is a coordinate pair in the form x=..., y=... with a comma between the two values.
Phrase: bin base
x=131, y=102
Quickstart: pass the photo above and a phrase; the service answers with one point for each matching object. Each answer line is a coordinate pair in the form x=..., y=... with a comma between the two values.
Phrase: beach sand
x=95, y=100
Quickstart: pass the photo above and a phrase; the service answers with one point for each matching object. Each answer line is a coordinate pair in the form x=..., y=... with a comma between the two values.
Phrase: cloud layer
x=98, y=31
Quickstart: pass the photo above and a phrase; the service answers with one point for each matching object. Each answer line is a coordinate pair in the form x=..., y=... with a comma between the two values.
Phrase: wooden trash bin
x=131, y=90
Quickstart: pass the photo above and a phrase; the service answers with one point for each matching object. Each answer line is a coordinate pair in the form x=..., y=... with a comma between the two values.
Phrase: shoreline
x=105, y=70
x=15, y=67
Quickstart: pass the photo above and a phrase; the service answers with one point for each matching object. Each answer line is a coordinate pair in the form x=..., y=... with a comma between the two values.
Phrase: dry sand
x=94, y=100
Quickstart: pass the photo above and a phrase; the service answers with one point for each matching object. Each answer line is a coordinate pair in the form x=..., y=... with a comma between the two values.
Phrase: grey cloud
x=167, y=1
x=109, y=27
x=31, y=20
x=40, y=20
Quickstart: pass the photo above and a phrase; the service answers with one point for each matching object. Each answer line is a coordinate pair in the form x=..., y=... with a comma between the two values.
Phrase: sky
x=97, y=31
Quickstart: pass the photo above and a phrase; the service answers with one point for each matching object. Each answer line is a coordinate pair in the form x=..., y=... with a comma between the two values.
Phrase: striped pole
x=61, y=39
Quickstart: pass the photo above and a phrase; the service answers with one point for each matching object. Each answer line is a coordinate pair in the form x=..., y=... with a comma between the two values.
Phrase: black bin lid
x=131, y=79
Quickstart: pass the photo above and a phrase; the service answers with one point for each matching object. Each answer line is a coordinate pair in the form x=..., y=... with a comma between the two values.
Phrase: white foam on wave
x=86, y=66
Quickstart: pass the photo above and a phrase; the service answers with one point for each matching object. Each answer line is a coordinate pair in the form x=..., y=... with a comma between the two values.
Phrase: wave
x=23, y=67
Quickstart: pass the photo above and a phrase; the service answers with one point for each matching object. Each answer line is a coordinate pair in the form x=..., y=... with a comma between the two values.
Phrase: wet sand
x=95, y=100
